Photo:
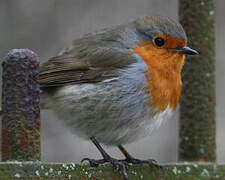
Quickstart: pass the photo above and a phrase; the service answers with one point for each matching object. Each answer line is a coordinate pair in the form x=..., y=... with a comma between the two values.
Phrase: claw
x=125, y=172
x=85, y=159
x=153, y=161
x=150, y=162
x=130, y=159
x=117, y=164
x=93, y=162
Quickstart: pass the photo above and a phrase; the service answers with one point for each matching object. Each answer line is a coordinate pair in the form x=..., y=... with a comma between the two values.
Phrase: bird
x=117, y=85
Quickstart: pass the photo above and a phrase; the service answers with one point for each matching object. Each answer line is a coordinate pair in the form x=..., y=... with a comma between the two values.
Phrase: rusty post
x=20, y=106
x=197, y=112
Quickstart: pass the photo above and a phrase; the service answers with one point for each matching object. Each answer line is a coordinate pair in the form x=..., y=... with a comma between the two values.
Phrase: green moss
x=38, y=170
x=20, y=105
x=197, y=124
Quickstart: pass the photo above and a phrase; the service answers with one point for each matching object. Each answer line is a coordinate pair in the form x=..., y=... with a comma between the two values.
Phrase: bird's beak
x=185, y=50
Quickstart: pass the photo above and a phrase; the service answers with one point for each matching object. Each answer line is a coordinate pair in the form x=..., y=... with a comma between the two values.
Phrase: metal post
x=20, y=106
x=197, y=119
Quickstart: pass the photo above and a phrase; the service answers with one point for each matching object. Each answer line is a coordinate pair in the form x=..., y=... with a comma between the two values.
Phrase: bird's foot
x=150, y=162
x=117, y=164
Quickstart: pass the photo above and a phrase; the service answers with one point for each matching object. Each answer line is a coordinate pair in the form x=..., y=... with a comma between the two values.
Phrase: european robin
x=117, y=85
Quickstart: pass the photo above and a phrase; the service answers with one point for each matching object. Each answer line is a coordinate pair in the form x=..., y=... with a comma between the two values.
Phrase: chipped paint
x=37, y=173
x=205, y=172
x=17, y=175
x=175, y=170
x=188, y=169
x=48, y=171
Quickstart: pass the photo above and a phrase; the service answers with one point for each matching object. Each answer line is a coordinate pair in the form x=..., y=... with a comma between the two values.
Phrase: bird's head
x=163, y=46
x=162, y=40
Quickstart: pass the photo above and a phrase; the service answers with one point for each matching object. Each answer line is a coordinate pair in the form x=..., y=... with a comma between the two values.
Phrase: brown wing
x=90, y=59
x=62, y=77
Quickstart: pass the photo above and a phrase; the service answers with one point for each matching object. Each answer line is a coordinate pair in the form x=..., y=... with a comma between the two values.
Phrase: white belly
x=114, y=111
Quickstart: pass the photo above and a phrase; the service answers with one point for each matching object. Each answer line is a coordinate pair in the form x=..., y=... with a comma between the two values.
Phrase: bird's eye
x=159, y=41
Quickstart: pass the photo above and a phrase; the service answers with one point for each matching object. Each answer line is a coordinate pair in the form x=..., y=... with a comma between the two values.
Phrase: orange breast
x=163, y=75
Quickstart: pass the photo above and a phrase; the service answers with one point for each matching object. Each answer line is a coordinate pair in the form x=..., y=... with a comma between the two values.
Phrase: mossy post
x=20, y=106
x=197, y=119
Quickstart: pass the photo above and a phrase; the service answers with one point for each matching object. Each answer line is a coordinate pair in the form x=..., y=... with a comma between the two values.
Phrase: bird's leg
x=117, y=164
x=130, y=159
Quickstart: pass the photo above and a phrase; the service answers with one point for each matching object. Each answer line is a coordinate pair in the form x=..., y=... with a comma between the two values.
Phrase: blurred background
x=48, y=26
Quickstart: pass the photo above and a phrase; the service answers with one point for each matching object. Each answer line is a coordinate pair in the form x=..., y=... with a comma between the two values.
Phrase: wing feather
x=90, y=59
